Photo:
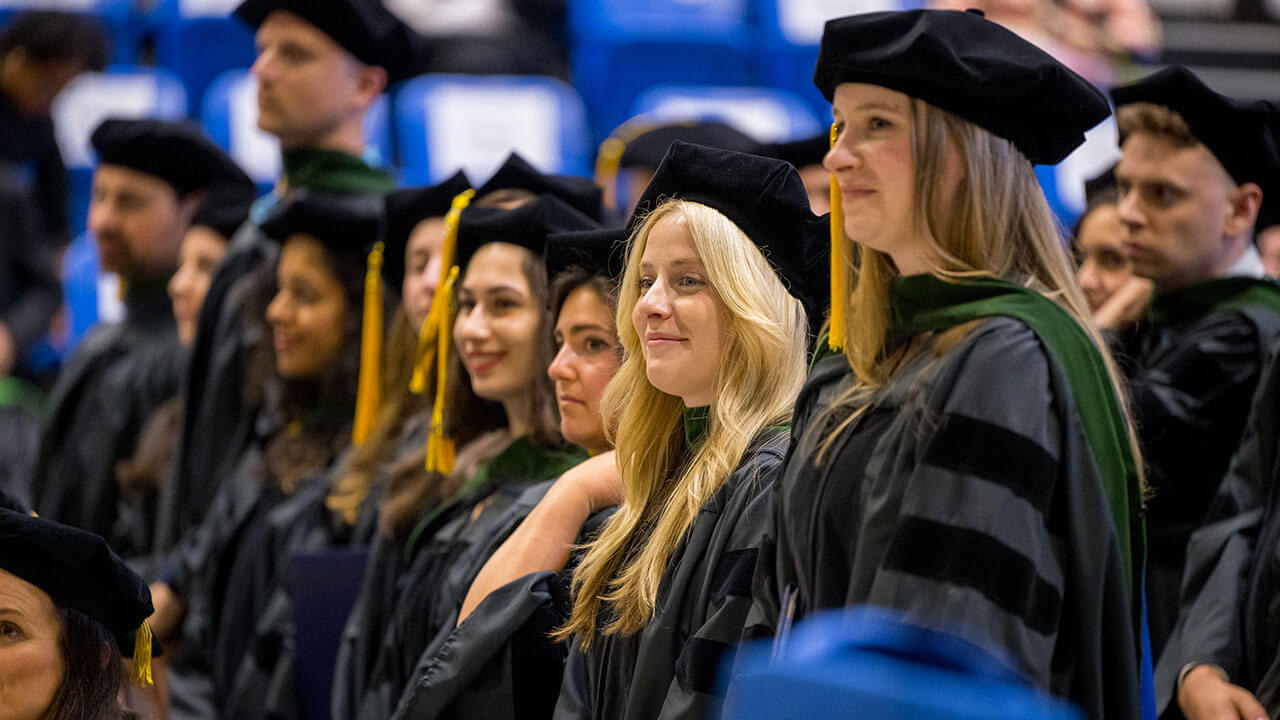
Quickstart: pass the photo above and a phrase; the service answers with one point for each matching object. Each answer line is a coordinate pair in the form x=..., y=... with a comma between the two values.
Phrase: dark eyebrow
x=583, y=327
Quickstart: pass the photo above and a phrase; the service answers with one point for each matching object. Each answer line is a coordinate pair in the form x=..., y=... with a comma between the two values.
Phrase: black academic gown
x=417, y=595
x=118, y=376
x=968, y=498
x=670, y=668
x=29, y=289
x=212, y=395
x=1195, y=365
x=29, y=155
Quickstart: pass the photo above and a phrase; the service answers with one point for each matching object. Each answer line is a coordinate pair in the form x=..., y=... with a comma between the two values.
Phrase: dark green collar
x=334, y=171
x=1232, y=293
x=696, y=420
x=924, y=303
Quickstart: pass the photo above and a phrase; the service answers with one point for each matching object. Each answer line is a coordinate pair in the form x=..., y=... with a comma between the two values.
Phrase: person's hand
x=1126, y=305
x=1206, y=695
x=169, y=610
x=8, y=351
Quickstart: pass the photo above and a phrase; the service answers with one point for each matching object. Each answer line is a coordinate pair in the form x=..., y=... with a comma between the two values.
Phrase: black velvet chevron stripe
x=965, y=557
x=697, y=668
x=975, y=447
x=733, y=575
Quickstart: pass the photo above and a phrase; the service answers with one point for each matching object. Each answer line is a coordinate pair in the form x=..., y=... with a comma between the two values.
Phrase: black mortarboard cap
x=965, y=64
x=1239, y=134
x=1269, y=213
x=226, y=206
x=648, y=148
x=765, y=198
x=364, y=28
x=580, y=192
x=527, y=226
x=802, y=152
x=600, y=252
x=407, y=207
x=347, y=225
x=177, y=152
x=77, y=570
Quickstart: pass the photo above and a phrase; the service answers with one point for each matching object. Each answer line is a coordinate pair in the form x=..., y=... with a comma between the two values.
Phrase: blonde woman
x=966, y=458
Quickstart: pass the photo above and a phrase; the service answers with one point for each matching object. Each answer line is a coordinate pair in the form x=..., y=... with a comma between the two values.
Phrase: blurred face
x=817, y=183
x=308, y=85
x=309, y=311
x=1269, y=248
x=679, y=316
x=1103, y=264
x=496, y=330
x=874, y=166
x=422, y=268
x=1175, y=203
x=586, y=359
x=31, y=666
x=32, y=85
x=202, y=250
x=137, y=221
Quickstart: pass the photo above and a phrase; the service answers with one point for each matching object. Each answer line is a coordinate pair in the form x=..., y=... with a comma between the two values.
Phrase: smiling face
x=31, y=665
x=497, y=325
x=585, y=362
x=202, y=250
x=679, y=316
x=308, y=313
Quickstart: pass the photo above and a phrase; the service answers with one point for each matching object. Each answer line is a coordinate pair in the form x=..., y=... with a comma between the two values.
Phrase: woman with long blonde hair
x=966, y=457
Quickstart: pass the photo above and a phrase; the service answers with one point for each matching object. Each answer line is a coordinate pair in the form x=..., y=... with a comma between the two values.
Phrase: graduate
x=150, y=180
x=499, y=414
x=1197, y=172
x=964, y=458
x=305, y=382
x=321, y=66
x=1098, y=241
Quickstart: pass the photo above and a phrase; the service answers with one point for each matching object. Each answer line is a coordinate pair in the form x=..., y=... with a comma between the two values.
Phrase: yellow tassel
x=839, y=268
x=140, y=673
x=430, y=329
x=440, y=448
x=369, y=389
x=608, y=160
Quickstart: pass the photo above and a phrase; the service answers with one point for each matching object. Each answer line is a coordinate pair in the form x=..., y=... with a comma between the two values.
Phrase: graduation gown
x=972, y=497
x=213, y=394
x=118, y=376
x=409, y=600
x=669, y=669
x=1195, y=366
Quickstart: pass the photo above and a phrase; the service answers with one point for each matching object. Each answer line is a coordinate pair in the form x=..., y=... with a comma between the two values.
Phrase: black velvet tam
x=347, y=225
x=649, y=147
x=764, y=197
x=177, y=152
x=77, y=570
x=364, y=28
x=527, y=226
x=967, y=65
x=516, y=173
x=801, y=153
x=407, y=207
x=226, y=206
x=600, y=252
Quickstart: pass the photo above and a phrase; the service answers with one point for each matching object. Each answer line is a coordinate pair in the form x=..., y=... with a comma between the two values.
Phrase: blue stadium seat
x=622, y=47
x=198, y=40
x=117, y=17
x=766, y=114
x=790, y=32
x=446, y=122
x=323, y=586
x=88, y=294
x=229, y=114
x=119, y=92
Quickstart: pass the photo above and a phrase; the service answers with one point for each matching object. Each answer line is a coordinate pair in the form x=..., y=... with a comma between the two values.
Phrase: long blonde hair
x=1001, y=226
x=664, y=482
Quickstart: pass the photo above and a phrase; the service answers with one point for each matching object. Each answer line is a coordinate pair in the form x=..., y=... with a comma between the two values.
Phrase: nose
x=472, y=325
x=262, y=65
x=277, y=309
x=655, y=302
x=178, y=283
x=1088, y=275
x=1128, y=210
x=102, y=217
x=839, y=156
x=561, y=367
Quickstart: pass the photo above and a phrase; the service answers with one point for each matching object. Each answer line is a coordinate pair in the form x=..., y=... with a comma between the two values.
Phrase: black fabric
x=177, y=152
x=733, y=575
x=527, y=226
x=649, y=147
x=30, y=156
x=1014, y=461
x=600, y=252
x=226, y=205
x=407, y=207
x=765, y=198
x=29, y=289
x=697, y=668
x=517, y=174
x=346, y=225
x=366, y=29
x=968, y=65
x=801, y=153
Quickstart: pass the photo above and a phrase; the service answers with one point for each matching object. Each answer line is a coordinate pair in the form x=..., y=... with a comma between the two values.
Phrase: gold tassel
x=608, y=160
x=369, y=389
x=440, y=450
x=839, y=275
x=431, y=326
x=140, y=673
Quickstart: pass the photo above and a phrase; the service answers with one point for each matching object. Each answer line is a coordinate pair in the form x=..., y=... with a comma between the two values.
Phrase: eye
x=10, y=631
x=689, y=281
x=466, y=304
x=596, y=345
x=876, y=122
x=645, y=283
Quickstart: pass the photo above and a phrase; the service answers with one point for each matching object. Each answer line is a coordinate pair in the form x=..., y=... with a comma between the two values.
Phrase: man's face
x=1175, y=203
x=308, y=85
x=33, y=85
x=137, y=221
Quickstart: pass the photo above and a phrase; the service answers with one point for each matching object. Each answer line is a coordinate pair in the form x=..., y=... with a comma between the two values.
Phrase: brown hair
x=93, y=678
x=566, y=282
x=1155, y=120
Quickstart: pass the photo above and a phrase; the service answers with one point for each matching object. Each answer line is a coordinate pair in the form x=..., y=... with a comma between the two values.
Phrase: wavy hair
x=665, y=483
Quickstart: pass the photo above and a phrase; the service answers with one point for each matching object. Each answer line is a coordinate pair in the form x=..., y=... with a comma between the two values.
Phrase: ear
x=1242, y=209
x=188, y=206
x=371, y=81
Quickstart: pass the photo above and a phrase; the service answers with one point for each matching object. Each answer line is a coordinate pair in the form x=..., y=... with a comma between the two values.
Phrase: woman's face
x=679, y=316
x=202, y=250
x=586, y=360
x=873, y=164
x=496, y=330
x=1103, y=265
x=422, y=268
x=309, y=311
x=31, y=665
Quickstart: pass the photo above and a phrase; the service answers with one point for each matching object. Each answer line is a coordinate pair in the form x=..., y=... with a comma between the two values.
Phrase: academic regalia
x=29, y=290
x=29, y=155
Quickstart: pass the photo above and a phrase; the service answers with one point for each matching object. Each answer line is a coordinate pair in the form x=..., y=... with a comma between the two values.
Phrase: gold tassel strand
x=369, y=388
x=431, y=326
x=440, y=450
x=839, y=273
